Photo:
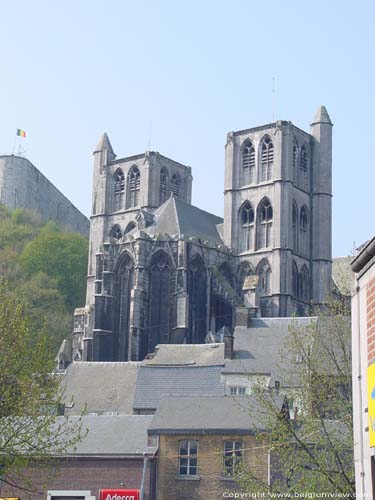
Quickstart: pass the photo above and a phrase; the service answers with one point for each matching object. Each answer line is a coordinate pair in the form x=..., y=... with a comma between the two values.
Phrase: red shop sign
x=119, y=494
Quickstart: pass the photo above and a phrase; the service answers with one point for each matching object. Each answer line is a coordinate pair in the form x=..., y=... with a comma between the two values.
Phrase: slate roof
x=342, y=275
x=155, y=382
x=208, y=415
x=257, y=349
x=100, y=387
x=187, y=355
x=118, y=435
x=176, y=217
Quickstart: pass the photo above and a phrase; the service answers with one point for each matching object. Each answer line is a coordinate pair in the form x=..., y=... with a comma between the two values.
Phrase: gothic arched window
x=164, y=185
x=197, y=287
x=124, y=285
x=129, y=227
x=248, y=163
x=295, y=226
x=305, y=283
x=134, y=186
x=264, y=224
x=266, y=159
x=115, y=233
x=304, y=166
x=304, y=230
x=175, y=185
x=295, y=161
x=246, y=236
x=245, y=270
x=160, y=300
x=295, y=280
x=265, y=275
x=119, y=189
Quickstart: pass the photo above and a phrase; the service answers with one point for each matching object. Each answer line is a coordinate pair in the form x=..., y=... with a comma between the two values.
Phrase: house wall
x=363, y=346
x=82, y=474
x=210, y=482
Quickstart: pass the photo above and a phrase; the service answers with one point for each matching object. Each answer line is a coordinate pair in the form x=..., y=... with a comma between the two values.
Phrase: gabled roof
x=96, y=387
x=342, y=275
x=192, y=355
x=117, y=435
x=154, y=382
x=259, y=348
x=209, y=415
x=176, y=217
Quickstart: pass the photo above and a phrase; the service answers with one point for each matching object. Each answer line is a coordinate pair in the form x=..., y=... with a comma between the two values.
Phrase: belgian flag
x=21, y=133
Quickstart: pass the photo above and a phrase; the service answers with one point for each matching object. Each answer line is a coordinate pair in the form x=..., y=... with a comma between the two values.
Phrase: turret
x=103, y=154
x=321, y=131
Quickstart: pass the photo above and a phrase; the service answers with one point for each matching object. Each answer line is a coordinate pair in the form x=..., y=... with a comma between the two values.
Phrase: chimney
x=228, y=346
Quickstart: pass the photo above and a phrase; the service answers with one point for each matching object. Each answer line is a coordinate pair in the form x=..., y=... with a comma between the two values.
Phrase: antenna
x=149, y=136
x=273, y=100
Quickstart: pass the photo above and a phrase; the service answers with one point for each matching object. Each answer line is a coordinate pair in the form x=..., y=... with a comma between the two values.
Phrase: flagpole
x=14, y=144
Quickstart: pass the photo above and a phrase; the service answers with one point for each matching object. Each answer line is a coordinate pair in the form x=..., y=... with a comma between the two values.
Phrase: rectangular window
x=188, y=458
x=232, y=457
x=237, y=390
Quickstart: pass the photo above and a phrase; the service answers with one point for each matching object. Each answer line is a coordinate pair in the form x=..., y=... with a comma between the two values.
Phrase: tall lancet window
x=248, y=163
x=304, y=230
x=245, y=270
x=125, y=283
x=197, y=286
x=295, y=280
x=305, y=283
x=266, y=159
x=160, y=300
x=265, y=275
x=134, y=186
x=295, y=161
x=246, y=239
x=164, y=185
x=295, y=226
x=304, y=167
x=119, y=189
x=264, y=224
x=175, y=185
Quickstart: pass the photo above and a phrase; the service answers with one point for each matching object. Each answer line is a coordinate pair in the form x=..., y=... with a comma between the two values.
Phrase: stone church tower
x=164, y=271
x=277, y=211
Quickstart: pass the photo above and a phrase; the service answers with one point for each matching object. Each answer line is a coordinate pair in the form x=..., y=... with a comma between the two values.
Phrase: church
x=162, y=271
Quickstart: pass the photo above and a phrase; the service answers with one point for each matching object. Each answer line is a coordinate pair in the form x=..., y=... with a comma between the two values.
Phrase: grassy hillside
x=46, y=267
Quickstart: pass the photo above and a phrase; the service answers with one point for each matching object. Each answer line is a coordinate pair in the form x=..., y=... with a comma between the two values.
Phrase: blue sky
x=189, y=72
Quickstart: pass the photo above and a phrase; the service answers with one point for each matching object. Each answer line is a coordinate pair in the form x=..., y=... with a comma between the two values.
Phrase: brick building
x=363, y=346
x=111, y=456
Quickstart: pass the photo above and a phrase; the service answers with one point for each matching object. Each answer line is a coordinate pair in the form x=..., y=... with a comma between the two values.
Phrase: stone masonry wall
x=23, y=186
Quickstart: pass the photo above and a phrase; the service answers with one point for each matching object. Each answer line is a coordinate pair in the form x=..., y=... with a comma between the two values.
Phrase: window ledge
x=188, y=478
x=225, y=478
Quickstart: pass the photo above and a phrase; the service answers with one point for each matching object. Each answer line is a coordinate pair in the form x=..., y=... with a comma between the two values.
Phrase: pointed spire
x=322, y=116
x=104, y=144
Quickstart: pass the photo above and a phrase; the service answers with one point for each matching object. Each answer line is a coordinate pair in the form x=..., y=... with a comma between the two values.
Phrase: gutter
x=365, y=255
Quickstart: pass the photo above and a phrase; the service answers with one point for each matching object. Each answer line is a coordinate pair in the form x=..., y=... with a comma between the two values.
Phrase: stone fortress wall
x=22, y=185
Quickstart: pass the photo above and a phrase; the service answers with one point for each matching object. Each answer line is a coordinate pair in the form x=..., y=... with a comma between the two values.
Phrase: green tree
x=30, y=428
x=310, y=450
x=62, y=256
